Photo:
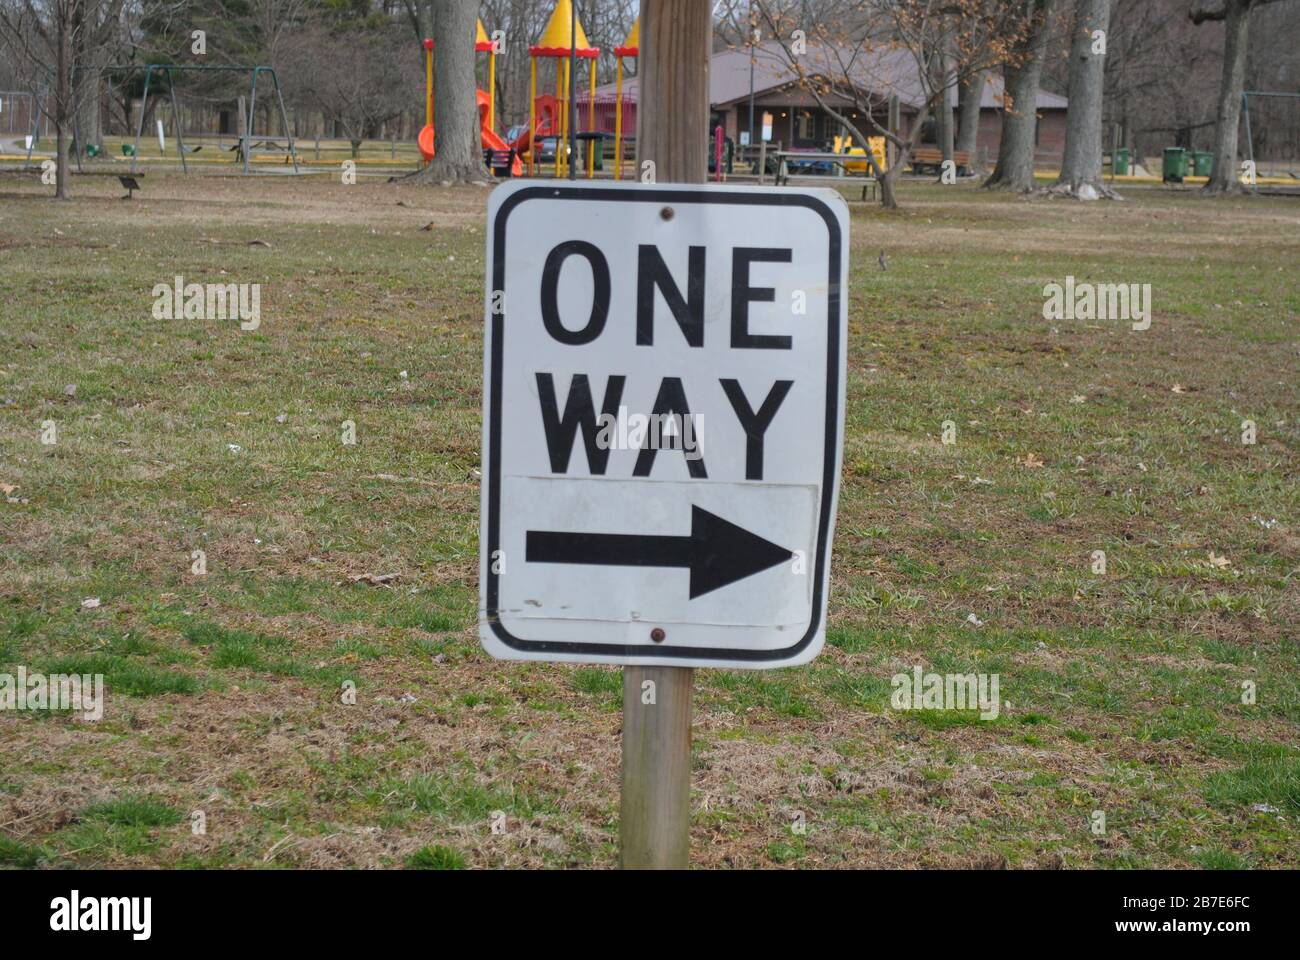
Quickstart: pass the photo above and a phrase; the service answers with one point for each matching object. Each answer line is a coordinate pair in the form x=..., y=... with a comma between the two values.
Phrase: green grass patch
x=435, y=858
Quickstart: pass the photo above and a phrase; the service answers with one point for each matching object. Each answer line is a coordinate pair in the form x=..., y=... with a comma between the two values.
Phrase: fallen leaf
x=1031, y=460
x=1218, y=561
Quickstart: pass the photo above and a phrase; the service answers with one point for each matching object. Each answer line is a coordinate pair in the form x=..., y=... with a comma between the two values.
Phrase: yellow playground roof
x=632, y=45
x=555, y=38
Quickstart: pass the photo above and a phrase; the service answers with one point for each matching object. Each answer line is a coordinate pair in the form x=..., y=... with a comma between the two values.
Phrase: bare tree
x=970, y=92
x=1235, y=15
x=855, y=37
x=350, y=75
x=1020, y=77
x=58, y=39
x=1081, y=165
x=456, y=138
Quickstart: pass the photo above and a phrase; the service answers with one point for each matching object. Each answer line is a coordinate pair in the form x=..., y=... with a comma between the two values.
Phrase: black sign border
x=652, y=194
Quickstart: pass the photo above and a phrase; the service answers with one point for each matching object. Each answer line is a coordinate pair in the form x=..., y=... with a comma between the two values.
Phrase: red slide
x=546, y=107
x=487, y=136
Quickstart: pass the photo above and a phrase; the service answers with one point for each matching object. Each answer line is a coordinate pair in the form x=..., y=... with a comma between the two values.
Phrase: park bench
x=499, y=161
x=836, y=165
x=930, y=160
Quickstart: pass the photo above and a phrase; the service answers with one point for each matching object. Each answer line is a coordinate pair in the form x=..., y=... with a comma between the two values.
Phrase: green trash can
x=128, y=150
x=1174, y=167
x=591, y=144
x=92, y=150
x=1203, y=163
x=1119, y=164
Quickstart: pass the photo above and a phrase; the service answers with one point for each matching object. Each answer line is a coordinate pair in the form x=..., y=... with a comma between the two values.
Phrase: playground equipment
x=563, y=35
x=1272, y=148
x=631, y=48
x=245, y=136
x=483, y=45
x=21, y=120
x=488, y=136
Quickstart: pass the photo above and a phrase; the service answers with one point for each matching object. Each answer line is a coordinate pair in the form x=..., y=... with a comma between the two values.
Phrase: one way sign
x=662, y=423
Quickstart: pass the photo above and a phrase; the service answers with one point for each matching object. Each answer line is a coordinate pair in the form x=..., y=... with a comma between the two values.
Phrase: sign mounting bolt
x=666, y=213
x=658, y=635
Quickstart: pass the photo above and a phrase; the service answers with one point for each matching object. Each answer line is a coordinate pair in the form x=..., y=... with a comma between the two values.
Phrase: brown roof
x=880, y=72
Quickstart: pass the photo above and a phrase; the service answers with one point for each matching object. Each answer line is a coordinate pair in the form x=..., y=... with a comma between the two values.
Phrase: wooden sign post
x=672, y=134
x=602, y=544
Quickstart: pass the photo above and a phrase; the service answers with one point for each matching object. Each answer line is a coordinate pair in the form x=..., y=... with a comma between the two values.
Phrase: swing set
x=246, y=139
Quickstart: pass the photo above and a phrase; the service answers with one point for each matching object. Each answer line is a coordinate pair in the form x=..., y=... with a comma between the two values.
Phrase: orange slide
x=487, y=136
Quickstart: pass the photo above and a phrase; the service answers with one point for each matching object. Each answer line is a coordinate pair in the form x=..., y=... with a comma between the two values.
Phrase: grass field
x=1124, y=691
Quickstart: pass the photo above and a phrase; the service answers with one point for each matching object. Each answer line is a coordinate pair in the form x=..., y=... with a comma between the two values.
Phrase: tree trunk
x=62, y=98
x=1015, y=167
x=457, y=156
x=943, y=132
x=1081, y=166
x=1236, y=30
x=969, y=92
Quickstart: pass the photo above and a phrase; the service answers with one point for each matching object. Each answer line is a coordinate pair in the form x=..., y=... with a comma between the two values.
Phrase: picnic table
x=836, y=166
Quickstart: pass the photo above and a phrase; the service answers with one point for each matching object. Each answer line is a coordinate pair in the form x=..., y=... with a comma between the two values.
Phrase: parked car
x=549, y=146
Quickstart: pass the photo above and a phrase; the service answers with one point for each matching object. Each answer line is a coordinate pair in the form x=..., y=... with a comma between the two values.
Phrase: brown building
x=798, y=122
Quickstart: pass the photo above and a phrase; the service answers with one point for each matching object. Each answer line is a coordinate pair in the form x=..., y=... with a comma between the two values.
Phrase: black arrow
x=716, y=552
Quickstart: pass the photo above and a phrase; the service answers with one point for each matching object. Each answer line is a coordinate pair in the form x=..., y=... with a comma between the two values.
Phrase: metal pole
x=428, y=86
x=591, y=123
x=284, y=118
x=532, y=113
x=1250, y=142
x=139, y=130
x=36, y=125
x=252, y=114
x=176, y=119
x=672, y=131
x=753, y=35
x=618, y=120
x=573, y=90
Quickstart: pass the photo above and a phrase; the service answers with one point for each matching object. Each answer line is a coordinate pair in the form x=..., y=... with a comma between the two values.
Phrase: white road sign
x=662, y=423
